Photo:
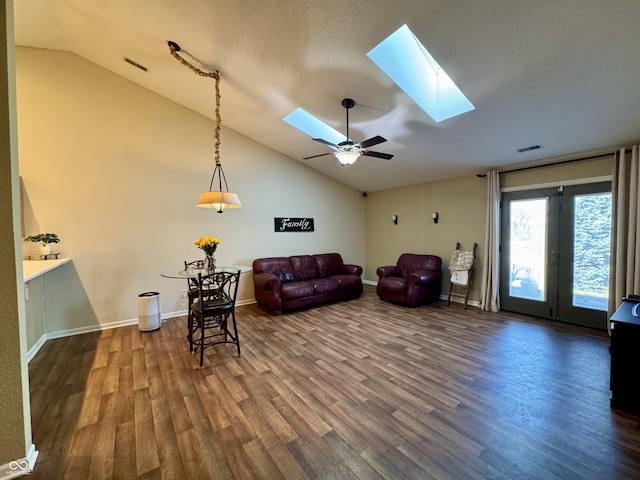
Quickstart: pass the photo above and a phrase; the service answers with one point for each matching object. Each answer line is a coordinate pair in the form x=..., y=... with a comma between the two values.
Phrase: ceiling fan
x=347, y=152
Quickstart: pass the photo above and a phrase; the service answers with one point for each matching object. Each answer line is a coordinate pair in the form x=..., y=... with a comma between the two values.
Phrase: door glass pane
x=591, y=246
x=528, y=230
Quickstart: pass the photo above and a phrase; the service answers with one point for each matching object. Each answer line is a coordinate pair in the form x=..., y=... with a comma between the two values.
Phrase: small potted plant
x=45, y=239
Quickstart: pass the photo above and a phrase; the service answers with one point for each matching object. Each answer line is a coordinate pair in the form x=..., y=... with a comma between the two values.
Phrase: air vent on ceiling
x=528, y=149
x=135, y=64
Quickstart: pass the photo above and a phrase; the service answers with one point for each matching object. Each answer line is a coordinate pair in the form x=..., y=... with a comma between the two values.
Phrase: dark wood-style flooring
x=353, y=390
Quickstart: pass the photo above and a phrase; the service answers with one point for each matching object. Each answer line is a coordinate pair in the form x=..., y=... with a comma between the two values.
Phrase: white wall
x=115, y=171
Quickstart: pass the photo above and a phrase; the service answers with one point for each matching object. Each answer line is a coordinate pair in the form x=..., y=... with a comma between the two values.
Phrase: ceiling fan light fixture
x=346, y=151
x=347, y=157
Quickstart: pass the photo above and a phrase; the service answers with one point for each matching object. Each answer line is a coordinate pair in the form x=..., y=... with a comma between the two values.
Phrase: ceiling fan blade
x=386, y=156
x=372, y=141
x=326, y=142
x=315, y=156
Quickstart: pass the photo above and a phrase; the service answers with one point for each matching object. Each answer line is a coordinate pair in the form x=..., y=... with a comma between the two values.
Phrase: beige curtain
x=489, y=298
x=624, y=278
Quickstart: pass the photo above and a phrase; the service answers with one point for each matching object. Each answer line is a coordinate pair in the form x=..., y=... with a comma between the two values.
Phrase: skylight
x=313, y=127
x=408, y=63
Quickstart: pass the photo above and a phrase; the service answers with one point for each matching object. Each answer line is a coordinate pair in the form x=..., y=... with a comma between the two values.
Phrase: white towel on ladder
x=460, y=277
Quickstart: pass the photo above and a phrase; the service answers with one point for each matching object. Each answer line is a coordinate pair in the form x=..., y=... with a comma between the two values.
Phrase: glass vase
x=210, y=263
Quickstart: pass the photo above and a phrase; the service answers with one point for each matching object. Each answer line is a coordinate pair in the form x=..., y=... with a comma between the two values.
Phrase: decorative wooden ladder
x=466, y=287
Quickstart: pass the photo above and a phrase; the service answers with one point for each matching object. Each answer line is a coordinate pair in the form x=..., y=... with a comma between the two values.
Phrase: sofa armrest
x=389, y=271
x=352, y=269
x=425, y=277
x=267, y=281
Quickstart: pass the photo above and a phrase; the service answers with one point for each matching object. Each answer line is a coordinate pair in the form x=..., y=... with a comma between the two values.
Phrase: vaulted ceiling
x=561, y=74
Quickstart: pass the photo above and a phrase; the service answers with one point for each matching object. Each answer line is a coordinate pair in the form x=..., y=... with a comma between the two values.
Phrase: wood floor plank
x=79, y=455
x=146, y=441
x=261, y=461
x=101, y=465
x=168, y=449
x=354, y=390
x=124, y=457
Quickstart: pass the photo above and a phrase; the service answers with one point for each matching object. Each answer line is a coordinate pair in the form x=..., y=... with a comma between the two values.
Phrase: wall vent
x=136, y=64
x=528, y=149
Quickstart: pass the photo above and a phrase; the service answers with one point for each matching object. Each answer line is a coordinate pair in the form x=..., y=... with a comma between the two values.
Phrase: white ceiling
x=564, y=74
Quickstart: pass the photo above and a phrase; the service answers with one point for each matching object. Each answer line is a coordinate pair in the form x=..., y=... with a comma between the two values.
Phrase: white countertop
x=34, y=268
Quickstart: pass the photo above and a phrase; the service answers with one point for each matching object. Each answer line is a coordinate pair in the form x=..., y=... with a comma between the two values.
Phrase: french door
x=554, y=253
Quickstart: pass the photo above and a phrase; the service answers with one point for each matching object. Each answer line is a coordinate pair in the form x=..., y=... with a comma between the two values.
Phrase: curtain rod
x=481, y=175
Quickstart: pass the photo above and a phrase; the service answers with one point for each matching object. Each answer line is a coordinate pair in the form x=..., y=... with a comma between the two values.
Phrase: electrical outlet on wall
x=184, y=293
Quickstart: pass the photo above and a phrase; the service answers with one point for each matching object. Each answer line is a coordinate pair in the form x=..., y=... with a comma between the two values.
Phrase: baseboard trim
x=454, y=299
x=20, y=467
x=36, y=348
x=105, y=326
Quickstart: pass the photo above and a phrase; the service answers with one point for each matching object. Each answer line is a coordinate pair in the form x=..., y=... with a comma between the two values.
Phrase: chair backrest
x=220, y=287
x=411, y=262
x=196, y=264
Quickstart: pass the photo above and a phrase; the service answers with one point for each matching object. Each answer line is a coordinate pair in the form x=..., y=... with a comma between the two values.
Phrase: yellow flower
x=208, y=244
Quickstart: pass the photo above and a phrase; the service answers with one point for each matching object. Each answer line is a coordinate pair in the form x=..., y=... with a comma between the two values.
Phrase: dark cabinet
x=625, y=359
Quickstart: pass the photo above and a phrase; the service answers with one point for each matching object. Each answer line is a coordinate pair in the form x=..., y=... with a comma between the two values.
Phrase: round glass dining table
x=189, y=273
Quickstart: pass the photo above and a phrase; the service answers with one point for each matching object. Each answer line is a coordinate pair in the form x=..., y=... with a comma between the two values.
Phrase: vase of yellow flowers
x=208, y=245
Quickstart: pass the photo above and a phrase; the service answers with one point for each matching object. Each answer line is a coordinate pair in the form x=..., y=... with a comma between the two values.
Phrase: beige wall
x=104, y=168
x=115, y=171
x=461, y=205
x=15, y=417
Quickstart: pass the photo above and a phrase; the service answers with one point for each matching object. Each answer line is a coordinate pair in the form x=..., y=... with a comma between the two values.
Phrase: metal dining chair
x=192, y=296
x=211, y=312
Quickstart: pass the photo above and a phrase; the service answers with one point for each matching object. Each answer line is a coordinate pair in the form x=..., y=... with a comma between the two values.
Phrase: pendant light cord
x=174, y=48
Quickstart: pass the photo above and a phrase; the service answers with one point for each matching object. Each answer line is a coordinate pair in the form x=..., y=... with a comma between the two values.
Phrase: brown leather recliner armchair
x=414, y=280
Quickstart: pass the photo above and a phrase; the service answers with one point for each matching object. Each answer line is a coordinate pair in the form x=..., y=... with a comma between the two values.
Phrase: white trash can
x=148, y=311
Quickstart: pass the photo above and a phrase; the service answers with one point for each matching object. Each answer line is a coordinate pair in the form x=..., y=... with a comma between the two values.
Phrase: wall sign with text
x=290, y=224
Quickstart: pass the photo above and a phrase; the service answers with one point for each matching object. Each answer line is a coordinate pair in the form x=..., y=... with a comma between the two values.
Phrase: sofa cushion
x=394, y=284
x=348, y=281
x=304, y=267
x=328, y=264
x=294, y=290
x=324, y=285
x=279, y=266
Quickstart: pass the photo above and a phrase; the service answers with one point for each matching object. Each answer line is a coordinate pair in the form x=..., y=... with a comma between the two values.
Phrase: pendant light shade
x=221, y=199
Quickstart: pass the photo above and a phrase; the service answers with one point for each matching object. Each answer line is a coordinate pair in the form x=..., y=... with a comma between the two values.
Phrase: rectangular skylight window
x=313, y=127
x=408, y=63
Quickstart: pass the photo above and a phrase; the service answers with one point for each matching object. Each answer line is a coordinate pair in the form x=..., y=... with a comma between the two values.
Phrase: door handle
x=552, y=257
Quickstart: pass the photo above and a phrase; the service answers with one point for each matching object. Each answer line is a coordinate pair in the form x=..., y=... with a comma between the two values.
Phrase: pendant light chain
x=215, y=75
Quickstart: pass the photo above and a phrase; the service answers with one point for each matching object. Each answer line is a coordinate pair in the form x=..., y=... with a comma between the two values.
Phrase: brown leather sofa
x=287, y=283
x=414, y=280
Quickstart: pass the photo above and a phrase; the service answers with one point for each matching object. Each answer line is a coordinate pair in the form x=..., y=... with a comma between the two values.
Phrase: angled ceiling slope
x=556, y=74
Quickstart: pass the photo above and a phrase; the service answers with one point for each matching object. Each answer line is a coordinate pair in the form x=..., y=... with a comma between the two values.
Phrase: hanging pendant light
x=221, y=199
